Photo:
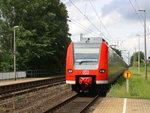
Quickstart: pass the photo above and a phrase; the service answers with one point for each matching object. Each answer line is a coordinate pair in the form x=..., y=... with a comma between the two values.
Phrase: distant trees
x=42, y=36
x=134, y=57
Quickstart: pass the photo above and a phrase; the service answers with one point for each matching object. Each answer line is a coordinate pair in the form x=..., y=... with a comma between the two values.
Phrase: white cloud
x=118, y=16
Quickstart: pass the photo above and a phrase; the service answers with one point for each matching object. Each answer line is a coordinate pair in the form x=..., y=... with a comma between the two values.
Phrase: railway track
x=18, y=89
x=74, y=104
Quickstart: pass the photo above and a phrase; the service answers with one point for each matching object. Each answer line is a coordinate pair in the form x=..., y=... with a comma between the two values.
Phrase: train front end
x=87, y=65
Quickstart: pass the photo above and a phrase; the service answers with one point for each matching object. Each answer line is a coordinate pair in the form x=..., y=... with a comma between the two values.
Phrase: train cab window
x=86, y=56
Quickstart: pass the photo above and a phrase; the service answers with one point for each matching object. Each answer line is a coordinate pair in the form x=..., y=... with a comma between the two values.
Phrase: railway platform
x=24, y=80
x=22, y=84
x=122, y=105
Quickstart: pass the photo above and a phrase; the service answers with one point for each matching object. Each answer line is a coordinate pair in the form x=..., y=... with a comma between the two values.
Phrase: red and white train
x=91, y=65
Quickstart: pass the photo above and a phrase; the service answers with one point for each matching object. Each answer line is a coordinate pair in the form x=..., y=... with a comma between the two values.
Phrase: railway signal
x=127, y=75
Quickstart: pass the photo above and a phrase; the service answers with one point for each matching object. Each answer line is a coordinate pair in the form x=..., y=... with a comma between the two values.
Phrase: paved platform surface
x=23, y=80
x=123, y=105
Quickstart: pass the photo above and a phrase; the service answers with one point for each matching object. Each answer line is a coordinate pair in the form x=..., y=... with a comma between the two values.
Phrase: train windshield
x=86, y=55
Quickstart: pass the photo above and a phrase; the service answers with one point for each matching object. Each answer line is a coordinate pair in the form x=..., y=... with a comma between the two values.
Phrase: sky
x=117, y=21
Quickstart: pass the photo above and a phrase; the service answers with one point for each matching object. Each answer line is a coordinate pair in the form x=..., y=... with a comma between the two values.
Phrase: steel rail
x=10, y=94
x=61, y=104
x=68, y=101
x=89, y=104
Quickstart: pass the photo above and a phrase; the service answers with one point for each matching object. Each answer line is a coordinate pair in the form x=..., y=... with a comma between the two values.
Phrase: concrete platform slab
x=138, y=106
x=123, y=105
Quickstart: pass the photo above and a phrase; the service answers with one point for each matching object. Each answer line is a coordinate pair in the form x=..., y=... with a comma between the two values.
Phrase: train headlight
x=102, y=70
x=70, y=70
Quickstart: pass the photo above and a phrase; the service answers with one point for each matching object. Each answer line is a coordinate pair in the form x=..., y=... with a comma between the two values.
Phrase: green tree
x=42, y=36
x=134, y=57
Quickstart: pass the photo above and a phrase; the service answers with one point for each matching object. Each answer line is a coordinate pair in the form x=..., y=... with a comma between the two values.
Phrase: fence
x=43, y=73
x=11, y=75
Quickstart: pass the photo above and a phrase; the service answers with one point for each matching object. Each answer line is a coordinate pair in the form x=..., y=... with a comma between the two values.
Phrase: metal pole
x=139, y=57
x=145, y=49
x=14, y=54
x=128, y=58
x=145, y=45
x=127, y=85
x=135, y=58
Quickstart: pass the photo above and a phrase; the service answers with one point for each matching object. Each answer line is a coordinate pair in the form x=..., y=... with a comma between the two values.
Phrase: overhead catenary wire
x=82, y=26
x=138, y=6
x=135, y=10
x=100, y=19
x=137, y=3
x=138, y=14
x=86, y=17
x=144, y=38
x=95, y=26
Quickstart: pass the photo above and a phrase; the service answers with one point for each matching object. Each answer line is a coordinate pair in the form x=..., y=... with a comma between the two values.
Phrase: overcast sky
x=118, y=21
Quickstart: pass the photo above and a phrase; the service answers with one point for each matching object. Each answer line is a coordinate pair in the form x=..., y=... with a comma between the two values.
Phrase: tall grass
x=138, y=86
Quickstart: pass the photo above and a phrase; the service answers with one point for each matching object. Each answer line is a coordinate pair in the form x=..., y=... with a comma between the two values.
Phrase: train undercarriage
x=87, y=84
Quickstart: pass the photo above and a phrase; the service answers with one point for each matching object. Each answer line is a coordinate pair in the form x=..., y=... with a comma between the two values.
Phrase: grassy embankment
x=138, y=86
